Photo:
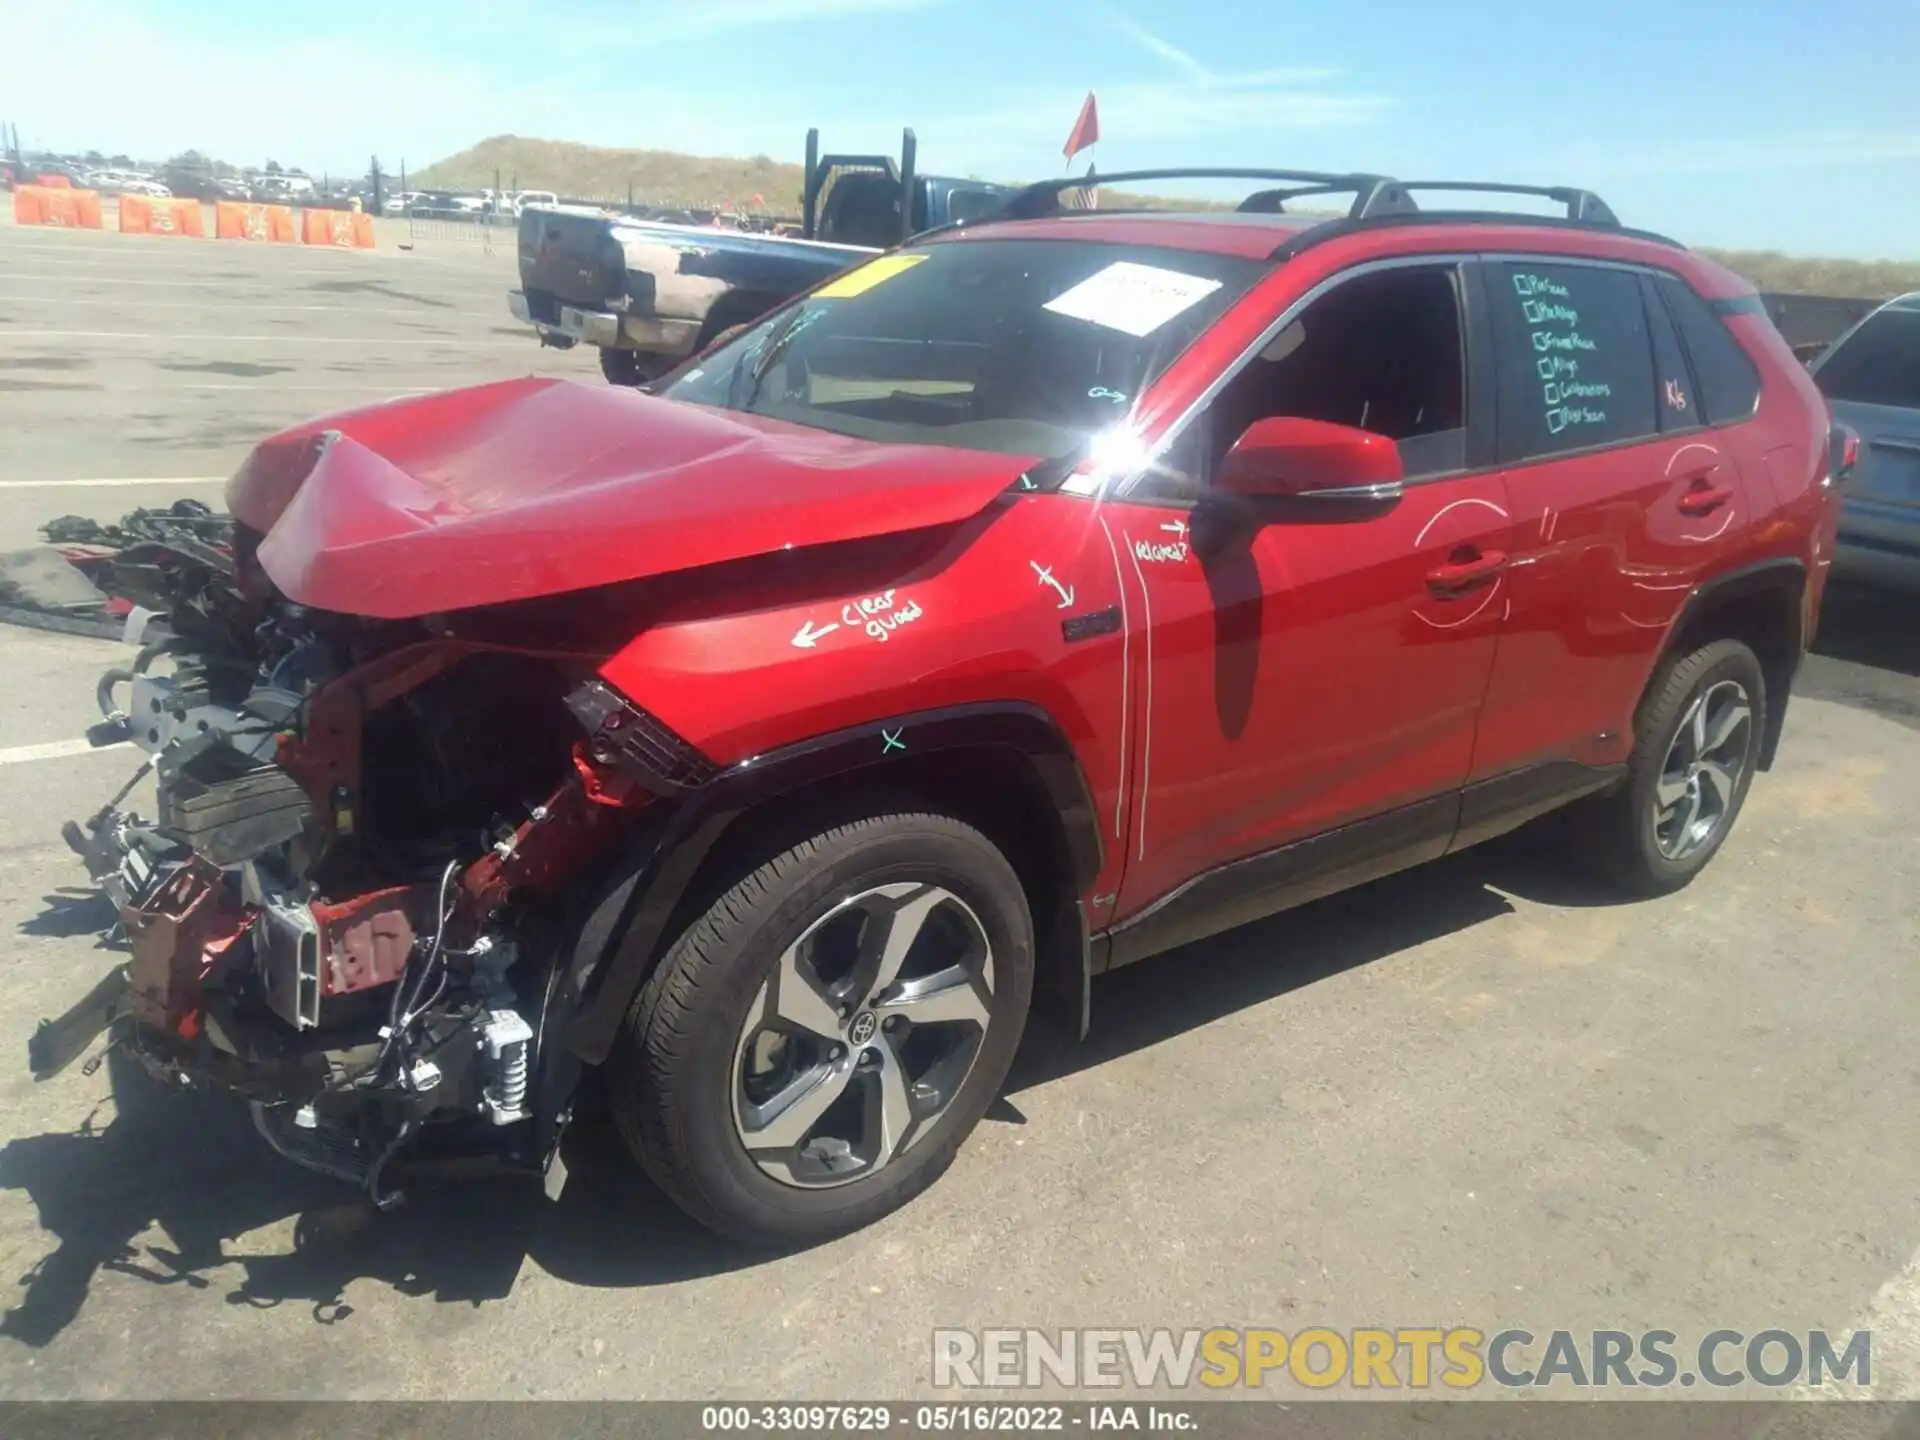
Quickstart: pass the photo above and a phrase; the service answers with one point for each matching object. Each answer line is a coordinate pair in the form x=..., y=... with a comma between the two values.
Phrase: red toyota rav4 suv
x=1029, y=600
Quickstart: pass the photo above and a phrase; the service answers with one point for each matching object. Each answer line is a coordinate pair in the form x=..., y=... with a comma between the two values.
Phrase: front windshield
x=1028, y=347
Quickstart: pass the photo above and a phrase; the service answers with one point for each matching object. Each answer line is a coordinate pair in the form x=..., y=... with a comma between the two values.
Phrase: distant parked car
x=126, y=182
x=1871, y=378
x=534, y=197
x=79, y=176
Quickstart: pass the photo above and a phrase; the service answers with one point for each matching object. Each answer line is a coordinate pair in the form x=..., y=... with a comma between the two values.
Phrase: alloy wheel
x=863, y=1034
x=1701, y=774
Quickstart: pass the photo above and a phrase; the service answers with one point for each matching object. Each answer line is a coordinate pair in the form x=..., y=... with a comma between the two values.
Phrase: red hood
x=538, y=486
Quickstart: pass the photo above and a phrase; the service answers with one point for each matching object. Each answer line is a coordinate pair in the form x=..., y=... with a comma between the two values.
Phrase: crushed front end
x=345, y=906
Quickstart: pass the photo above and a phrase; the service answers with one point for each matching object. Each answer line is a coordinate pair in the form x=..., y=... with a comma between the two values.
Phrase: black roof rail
x=1043, y=197
x=1380, y=196
x=1377, y=200
x=1304, y=240
x=1582, y=205
x=1374, y=195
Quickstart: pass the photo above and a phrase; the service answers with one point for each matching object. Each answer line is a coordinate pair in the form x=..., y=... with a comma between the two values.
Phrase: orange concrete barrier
x=348, y=228
x=53, y=182
x=53, y=205
x=233, y=220
x=152, y=215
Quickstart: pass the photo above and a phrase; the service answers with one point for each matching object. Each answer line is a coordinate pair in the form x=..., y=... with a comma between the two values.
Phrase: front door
x=1324, y=662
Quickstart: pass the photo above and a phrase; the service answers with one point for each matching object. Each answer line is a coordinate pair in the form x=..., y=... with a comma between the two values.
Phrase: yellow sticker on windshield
x=874, y=272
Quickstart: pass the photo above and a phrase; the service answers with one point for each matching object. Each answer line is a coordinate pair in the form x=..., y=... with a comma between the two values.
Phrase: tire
x=682, y=1080
x=1632, y=836
x=622, y=367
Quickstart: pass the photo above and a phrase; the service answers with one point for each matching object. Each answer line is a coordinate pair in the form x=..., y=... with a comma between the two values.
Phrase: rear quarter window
x=1879, y=364
x=1729, y=385
x=1576, y=362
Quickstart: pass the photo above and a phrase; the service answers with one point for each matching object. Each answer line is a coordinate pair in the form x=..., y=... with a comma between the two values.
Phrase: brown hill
x=590, y=172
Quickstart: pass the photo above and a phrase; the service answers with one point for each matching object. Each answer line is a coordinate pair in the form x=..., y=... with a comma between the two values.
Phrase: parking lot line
x=143, y=280
x=55, y=750
x=257, y=387
x=420, y=311
x=360, y=340
x=382, y=261
x=122, y=480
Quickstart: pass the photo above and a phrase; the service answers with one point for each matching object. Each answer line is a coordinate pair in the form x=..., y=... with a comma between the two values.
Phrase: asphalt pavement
x=1479, y=1093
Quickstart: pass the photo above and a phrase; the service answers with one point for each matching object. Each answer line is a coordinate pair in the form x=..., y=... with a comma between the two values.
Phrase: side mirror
x=1284, y=456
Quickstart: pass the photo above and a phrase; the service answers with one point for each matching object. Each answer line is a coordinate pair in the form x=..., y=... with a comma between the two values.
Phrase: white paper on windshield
x=1136, y=299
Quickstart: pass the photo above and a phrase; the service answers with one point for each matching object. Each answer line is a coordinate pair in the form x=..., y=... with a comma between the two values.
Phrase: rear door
x=1623, y=501
x=1871, y=379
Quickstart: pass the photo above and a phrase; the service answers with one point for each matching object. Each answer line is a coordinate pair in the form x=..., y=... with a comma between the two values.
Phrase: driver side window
x=1383, y=352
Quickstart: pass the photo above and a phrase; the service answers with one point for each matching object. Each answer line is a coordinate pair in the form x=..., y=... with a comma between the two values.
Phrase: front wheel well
x=994, y=788
x=1763, y=612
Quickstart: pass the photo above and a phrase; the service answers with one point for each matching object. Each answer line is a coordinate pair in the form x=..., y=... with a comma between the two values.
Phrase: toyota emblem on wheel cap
x=861, y=1031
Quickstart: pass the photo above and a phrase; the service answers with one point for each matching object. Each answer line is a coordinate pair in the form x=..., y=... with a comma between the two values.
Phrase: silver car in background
x=1871, y=378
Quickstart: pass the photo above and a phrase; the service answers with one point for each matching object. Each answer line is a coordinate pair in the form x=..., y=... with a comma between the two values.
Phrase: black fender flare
x=1784, y=573
x=616, y=943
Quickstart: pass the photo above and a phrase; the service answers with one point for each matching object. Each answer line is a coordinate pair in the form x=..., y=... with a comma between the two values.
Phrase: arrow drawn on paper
x=806, y=637
x=1065, y=592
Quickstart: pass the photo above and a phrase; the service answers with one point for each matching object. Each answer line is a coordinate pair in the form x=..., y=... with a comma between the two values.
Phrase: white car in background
x=283, y=188
x=126, y=182
x=533, y=197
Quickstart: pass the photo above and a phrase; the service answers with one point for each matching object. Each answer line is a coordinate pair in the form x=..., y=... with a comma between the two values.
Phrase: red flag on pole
x=1086, y=130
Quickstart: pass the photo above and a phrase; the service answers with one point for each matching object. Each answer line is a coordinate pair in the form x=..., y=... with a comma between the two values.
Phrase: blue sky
x=1764, y=124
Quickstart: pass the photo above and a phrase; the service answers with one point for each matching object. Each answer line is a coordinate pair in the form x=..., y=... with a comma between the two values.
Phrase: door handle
x=1704, y=499
x=1463, y=574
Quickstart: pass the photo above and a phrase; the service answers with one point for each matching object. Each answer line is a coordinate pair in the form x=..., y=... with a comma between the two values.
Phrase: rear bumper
x=1872, y=560
x=571, y=324
x=1879, y=542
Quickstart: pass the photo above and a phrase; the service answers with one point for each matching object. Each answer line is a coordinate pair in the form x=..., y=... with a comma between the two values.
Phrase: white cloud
x=330, y=104
x=1018, y=133
x=1180, y=59
x=1695, y=156
x=662, y=22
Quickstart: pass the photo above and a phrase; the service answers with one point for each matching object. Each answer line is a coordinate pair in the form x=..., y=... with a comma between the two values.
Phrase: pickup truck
x=651, y=293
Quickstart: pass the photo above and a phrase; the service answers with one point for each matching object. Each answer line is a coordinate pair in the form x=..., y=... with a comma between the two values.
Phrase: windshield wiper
x=770, y=351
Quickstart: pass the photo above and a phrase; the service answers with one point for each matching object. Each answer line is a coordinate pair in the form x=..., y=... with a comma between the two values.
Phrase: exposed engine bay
x=339, y=909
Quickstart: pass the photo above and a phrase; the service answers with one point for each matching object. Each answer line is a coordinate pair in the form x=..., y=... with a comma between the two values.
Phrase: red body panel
x=1605, y=557
x=980, y=621
x=1304, y=677
x=535, y=487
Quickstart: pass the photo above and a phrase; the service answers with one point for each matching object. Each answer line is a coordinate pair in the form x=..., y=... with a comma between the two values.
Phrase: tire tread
x=643, y=1082
x=1613, y=838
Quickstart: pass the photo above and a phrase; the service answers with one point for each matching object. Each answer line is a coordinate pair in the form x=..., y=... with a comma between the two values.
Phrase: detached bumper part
x=56, y=1044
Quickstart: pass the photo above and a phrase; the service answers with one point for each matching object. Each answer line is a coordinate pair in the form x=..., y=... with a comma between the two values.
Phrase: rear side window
x=1576, y=363
x=1729, y=383
x=1674, y=397
x=1879, y=364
